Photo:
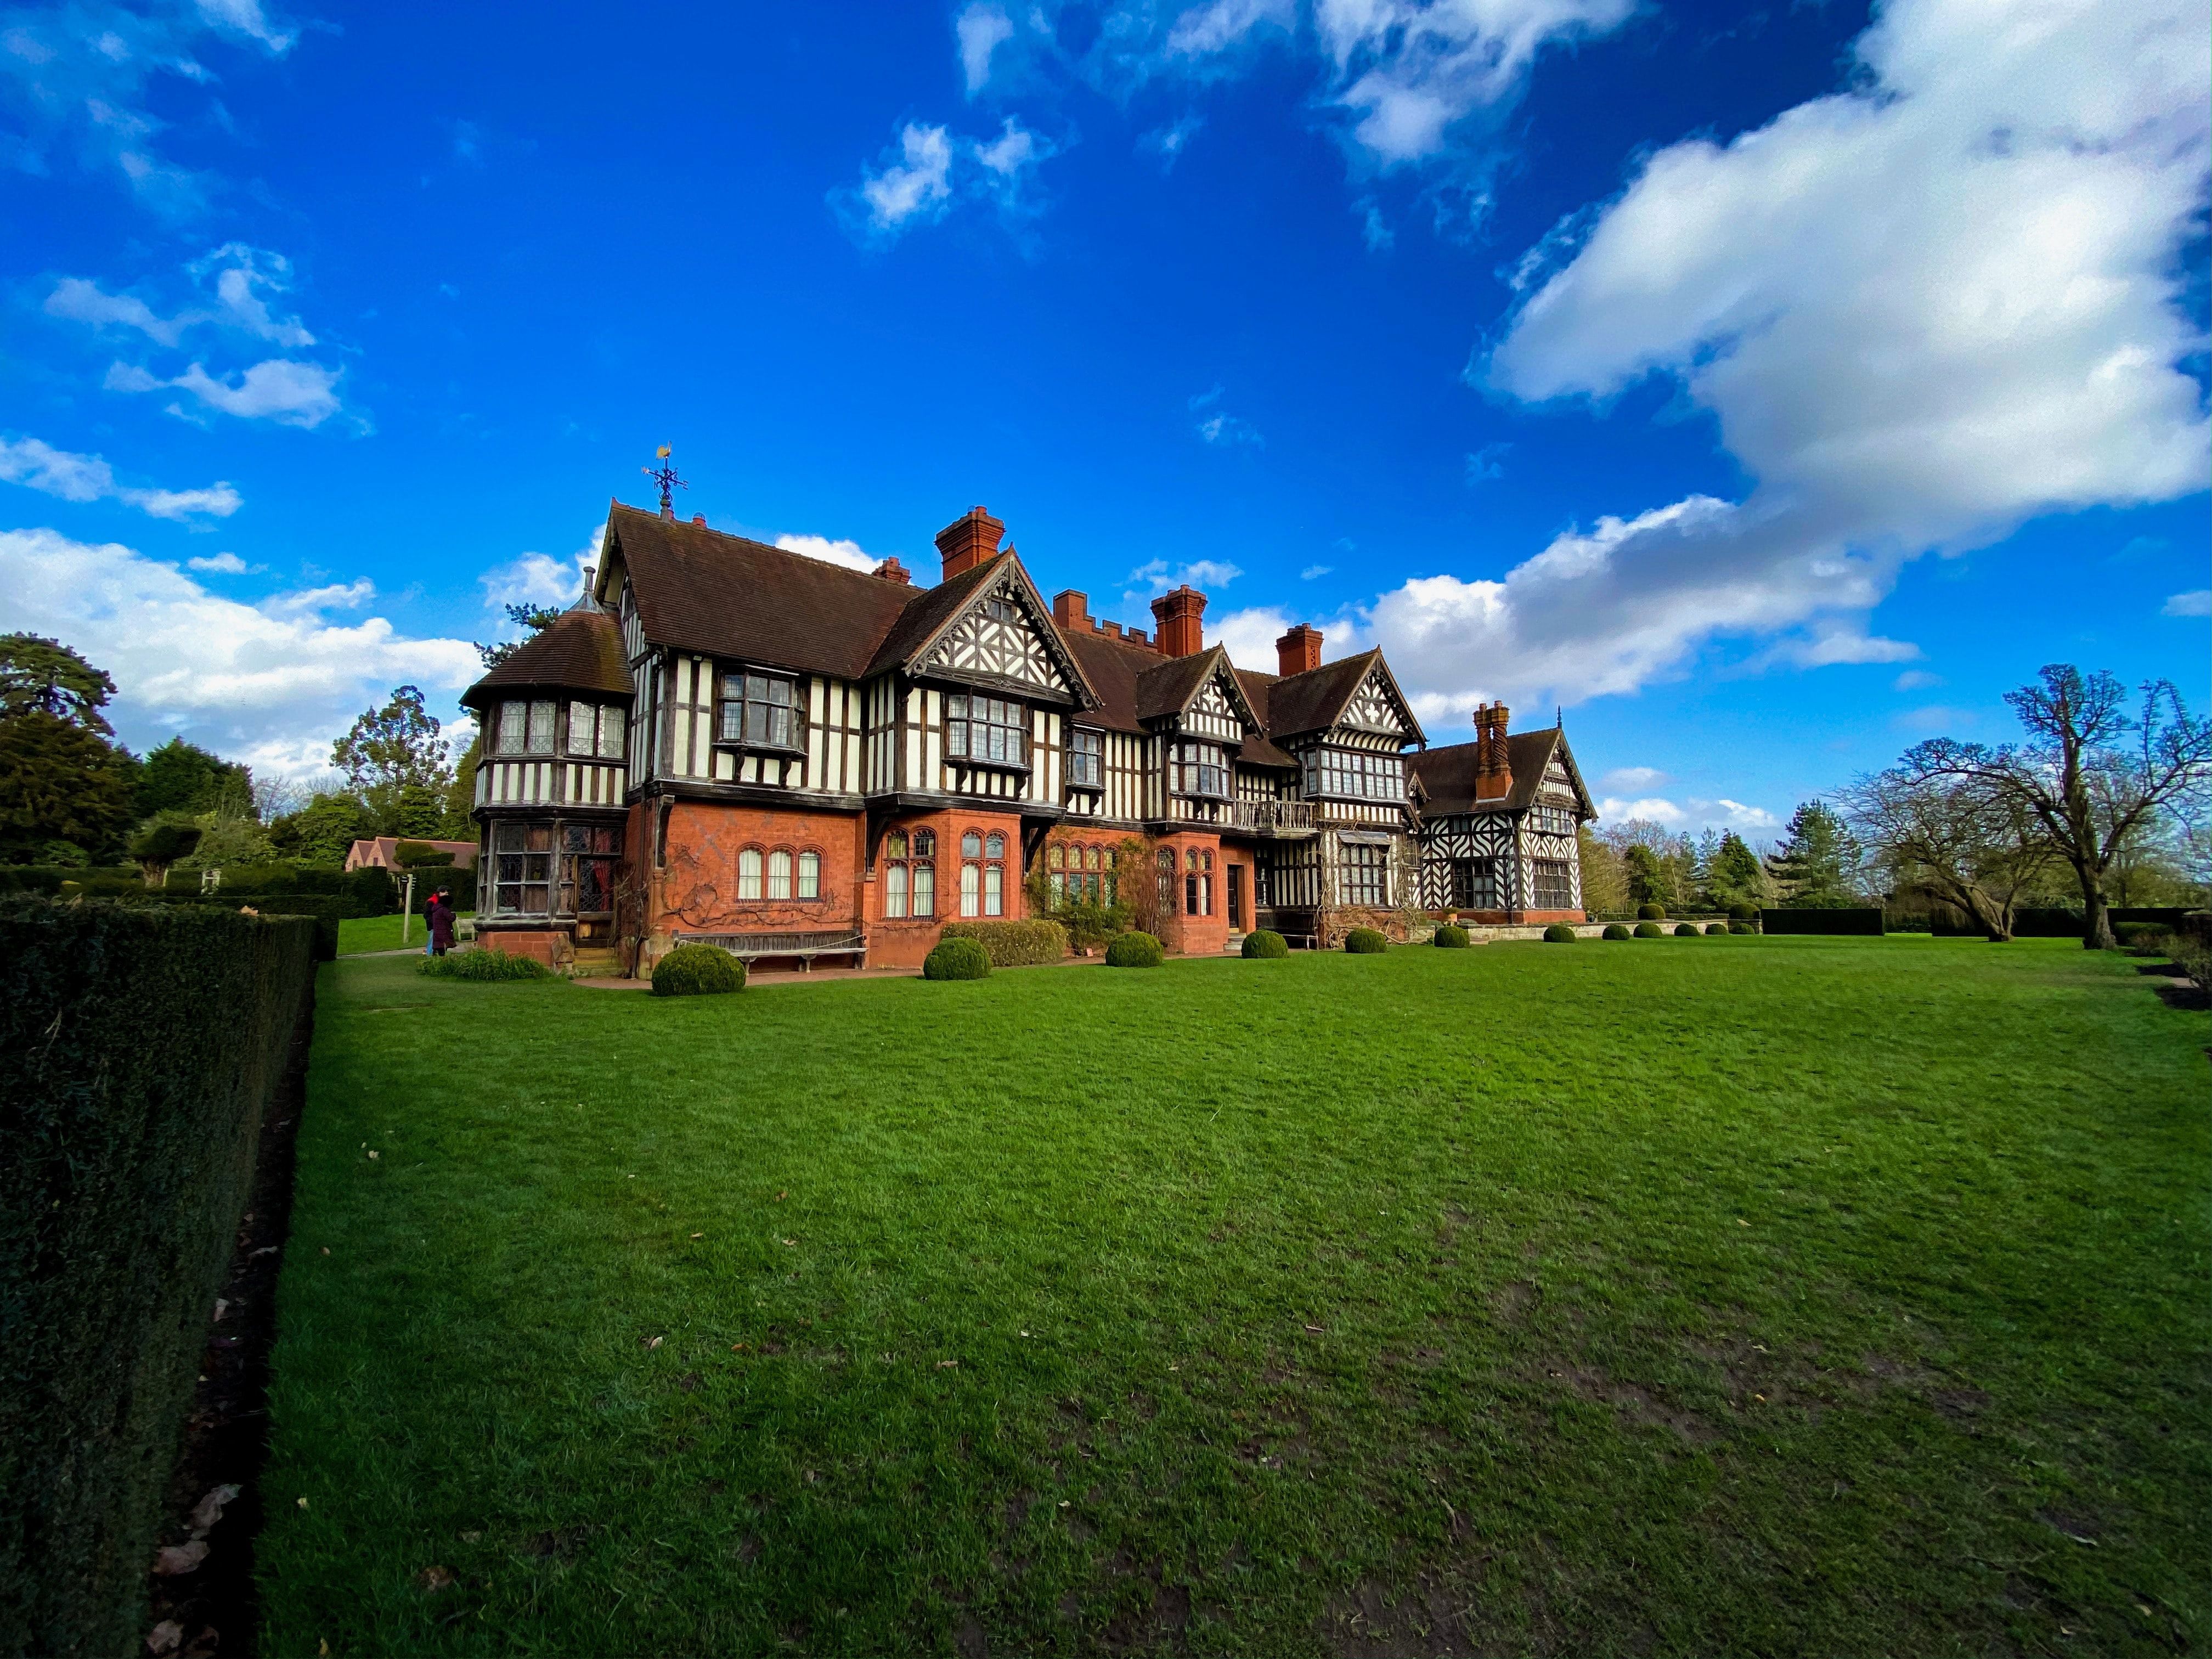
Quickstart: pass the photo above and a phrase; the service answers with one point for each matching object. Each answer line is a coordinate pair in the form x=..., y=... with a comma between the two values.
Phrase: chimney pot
x=1182, y=632
x=969, y=540
x=892, y=571
x=1493, y=768
x=699, y=519
x=1298, y=652
x=1071, y=609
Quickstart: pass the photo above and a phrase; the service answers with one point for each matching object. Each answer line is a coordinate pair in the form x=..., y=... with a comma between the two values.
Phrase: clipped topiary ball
x=697, y=971
x=1134, y=950
x=1559, y=933
x=957, y=958
x=1743, y=913
x=1717, y=927
x=1741, y=927
x=1615, y=930
x=1451, y=938
x=1365, y=942
x=1687, y=930
x=1650, y=930
x=1651, y=912
x=1265, y=944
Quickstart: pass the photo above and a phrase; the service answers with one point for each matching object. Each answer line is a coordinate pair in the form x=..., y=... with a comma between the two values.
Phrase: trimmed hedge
x=1743, y=913
x=957, y=958
x=1855, y=920
x=1451, y=938
x=1264, y=945
x=1650, y=930
x=692, y=970
x=1688, y=930
x=1135, y=950
x=1013, y=944
x=1651, y=912
x=1365, y=942
x=1615, y=930
x=485, y=966
x=139, y=1048
x=1715, y=927
x=1744, y=928
x=1560, y=933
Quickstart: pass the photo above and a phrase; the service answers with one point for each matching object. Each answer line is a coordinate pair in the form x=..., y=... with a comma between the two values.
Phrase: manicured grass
x=358, y=935
x=1719, y=1296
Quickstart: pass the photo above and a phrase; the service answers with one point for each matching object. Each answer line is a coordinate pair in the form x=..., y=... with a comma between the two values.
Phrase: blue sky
x=1769, y=385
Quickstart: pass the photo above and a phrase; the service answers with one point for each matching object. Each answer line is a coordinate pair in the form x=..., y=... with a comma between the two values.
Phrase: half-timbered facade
x=1499, y=822
x=731, y=741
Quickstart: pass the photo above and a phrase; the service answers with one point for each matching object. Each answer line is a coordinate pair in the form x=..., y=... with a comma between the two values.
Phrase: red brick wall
x=548, y=944
x=893, y=943
x=1186, y=934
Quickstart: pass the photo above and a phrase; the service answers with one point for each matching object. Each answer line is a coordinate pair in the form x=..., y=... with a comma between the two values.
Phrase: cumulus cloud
x=539, y=581
x=1719, y=814
x=931, y=171
x=1313, y=570
x=280, y=389
x=1216, y=425
x=270, y=683
x=847, y=553
x=73, y=478
x=1633, y=777
x=2197, y=604
x=224, y=564
x=982, y=30
x=1157, y=576
x=1920, y=311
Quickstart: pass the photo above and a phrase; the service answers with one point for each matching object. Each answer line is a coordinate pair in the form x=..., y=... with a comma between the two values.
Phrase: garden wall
x=1854, y=921
x=139, y=1046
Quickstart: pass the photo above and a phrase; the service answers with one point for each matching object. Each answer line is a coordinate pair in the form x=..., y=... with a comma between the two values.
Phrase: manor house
x=728, y=741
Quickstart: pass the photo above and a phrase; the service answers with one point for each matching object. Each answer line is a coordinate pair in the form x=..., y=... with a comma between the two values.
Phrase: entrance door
x=1237, y=898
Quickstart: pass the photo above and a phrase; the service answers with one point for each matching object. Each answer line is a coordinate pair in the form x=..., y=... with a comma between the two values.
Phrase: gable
x=996, y=638
x=1210, y=713
x=1374, y=707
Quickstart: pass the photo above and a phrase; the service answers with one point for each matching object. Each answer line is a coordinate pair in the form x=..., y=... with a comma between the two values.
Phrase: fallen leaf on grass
x=435, y=1579
x=698, y=1235
x=303, y=1502
x=653, y=1342
x=165, y=1637
x=1316, y=1330
x=792, y=1243
x=178, y=1558
x=372, y=1152
x=1740, y=1222
x=779, y=1198
x=947, y=1364
x=210, y=1509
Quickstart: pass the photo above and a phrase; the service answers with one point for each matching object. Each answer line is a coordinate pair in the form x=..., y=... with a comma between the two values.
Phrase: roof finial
x=1559, y=717
x=664, y=476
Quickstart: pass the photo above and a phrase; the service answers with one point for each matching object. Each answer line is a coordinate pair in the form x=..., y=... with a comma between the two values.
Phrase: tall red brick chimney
x=1493, y=766
x=1298, y=652
x=1180, y=632
x=969, y=540
x=1071, y=611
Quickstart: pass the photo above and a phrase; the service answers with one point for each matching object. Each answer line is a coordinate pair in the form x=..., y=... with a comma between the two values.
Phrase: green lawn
x=1715, y=1296
x=358, y=935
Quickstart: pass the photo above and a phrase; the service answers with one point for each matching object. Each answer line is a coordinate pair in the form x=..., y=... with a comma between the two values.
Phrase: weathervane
x=664, y=476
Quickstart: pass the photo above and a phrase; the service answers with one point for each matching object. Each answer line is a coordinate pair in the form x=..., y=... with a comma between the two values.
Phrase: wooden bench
x=749, y=948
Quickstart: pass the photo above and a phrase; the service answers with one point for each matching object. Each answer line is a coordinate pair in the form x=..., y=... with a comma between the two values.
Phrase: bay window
x=596, y=730
x=1200, y=768
x=525, y=728
x=987, y=729
x=1553, y=883
x=910, y=873
x=1364, y=876
x=522, y=869
x=1087, y=759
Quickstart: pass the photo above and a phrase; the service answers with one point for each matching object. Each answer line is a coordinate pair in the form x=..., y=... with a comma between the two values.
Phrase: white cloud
x=1250, y=636
x=245, y=17
x=982, y=29
x=2197, y=604
x=1313, y=570
x=539, y=580
x=1922, y=312
x=1694, y=814
x=1915, y=679
x=224, y=564
x=312, y=601
x=73, y=478
x=271, y=685
x=847, y=553
x=281, y=390
x=1217, y=426
x=81, y=301
x=1157, y=576
x=1935, y=719
x=933, y=171
x=1651, y=809
x=1167, y=143
x=1487, y=463
x=1734, y=815
x=243, y=275
x=1633, y=777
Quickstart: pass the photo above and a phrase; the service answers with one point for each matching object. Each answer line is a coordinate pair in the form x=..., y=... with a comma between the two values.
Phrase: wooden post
x=407, y=911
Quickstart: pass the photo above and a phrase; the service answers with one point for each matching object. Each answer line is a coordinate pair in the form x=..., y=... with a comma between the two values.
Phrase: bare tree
x=2090, y=772
x=1975, y=845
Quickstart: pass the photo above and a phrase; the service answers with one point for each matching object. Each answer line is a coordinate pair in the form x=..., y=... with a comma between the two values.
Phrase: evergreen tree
x=43, y=676
x=323, y=831
x=1818, y=865
x=1650, y=881
x=182, y=777
x=420, y=811
x=62, y=790
x=389, y=751
x=1735, y=875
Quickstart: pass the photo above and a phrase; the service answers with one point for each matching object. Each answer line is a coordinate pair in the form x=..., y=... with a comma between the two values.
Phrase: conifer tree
x=1817, y=867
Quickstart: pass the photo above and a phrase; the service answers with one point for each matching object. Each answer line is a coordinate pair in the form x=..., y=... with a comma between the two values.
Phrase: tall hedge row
x=139, y=1046
x=1853, y=920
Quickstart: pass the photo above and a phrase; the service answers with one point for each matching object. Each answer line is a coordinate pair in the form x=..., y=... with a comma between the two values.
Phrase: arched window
x=995, y=845
x=924, y=872
x=810, y=875
x=1055, y=858
x=994, y=890
x=971, y=845
x=971, y=888
x=779, y=874
x=910, y=880
x=749, y=873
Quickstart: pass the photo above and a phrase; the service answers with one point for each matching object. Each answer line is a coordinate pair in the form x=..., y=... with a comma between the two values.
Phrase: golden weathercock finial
x=664, y=476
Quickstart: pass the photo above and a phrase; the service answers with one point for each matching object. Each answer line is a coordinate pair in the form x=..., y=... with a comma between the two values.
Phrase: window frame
x=1363, y=876
x=738, y=703
x=1189, y=768
x=1084, y=753
x=1556, y=870
x=1007, y=718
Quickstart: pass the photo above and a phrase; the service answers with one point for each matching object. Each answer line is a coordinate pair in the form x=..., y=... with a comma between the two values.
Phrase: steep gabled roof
x=579, y=650
x=703, y=590
x=1315, y=701
x=1170, y=686
x=1112, y=666
x=1447, y=775
x=938, y=609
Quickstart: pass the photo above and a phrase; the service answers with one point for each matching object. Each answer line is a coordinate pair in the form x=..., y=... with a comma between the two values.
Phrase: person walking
x=441, y=921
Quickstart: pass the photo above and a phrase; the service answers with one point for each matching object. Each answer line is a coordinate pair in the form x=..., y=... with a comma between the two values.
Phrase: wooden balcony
x=1271, y=818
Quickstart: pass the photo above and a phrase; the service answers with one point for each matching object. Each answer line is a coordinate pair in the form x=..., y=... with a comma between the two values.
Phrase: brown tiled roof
x=1312, y=701
x=1447, y=775
x=1112, y=665
x=703, y=590
x=929, y=610
x=581, y=650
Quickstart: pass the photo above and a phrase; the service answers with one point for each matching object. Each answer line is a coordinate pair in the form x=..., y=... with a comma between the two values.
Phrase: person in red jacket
x=441, y=921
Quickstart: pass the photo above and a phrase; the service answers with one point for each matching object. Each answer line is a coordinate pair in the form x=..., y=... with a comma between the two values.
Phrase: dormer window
x=759, y=711
x=987, y=729
x=1200, y=768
